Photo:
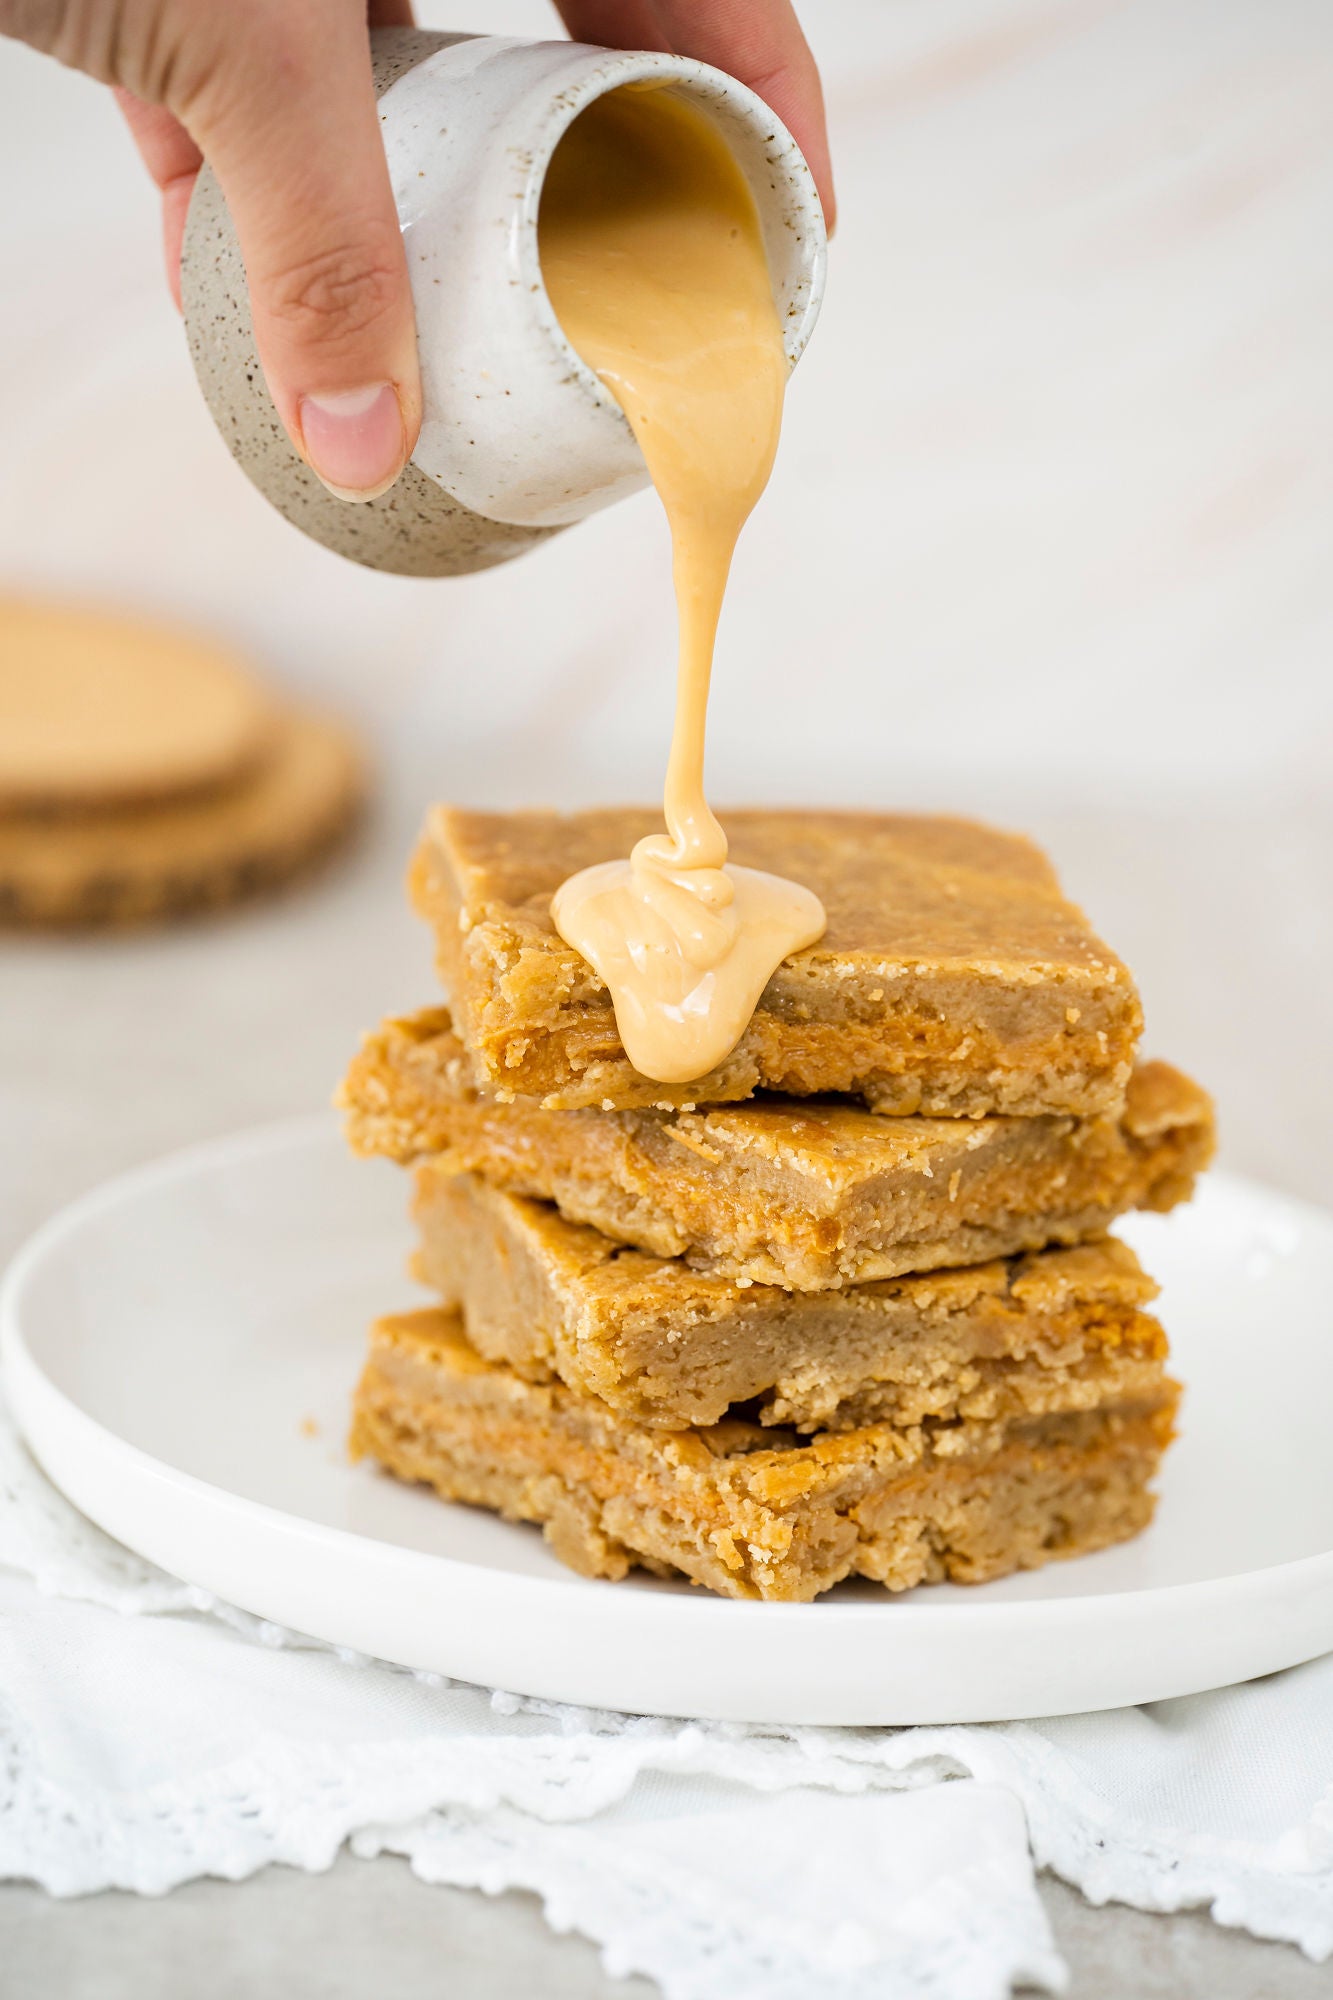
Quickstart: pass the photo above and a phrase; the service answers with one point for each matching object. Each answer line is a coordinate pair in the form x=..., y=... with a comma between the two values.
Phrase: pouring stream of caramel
x=654, y=262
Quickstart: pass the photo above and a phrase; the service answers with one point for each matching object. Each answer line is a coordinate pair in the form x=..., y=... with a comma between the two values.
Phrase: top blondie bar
x=954, y=978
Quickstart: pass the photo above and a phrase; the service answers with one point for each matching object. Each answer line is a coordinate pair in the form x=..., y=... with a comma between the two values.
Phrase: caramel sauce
x=654, y=262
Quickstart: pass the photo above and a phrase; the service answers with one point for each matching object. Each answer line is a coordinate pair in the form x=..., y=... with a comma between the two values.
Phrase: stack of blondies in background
x=846, y=1305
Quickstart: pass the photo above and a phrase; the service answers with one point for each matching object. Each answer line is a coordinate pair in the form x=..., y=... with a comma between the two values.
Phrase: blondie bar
x=751, y=1512
x=662, y=1344
x=953, y=979
x=787, y=1191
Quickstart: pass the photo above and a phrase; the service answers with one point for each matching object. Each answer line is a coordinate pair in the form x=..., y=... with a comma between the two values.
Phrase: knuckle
x=335, y=295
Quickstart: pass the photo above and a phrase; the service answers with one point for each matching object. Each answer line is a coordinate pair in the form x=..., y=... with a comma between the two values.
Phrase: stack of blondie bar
x=845, y=1306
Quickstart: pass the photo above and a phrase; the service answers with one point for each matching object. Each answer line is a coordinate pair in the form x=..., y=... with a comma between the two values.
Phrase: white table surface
x=1049, y=542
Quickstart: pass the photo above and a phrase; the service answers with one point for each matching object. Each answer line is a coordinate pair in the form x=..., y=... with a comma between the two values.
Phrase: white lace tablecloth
x=149, y=1734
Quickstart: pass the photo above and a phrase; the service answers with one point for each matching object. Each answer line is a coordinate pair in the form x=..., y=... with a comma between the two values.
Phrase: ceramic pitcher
x=518, y=437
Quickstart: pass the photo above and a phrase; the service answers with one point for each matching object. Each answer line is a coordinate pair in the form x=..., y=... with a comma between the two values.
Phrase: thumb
x=291, y=130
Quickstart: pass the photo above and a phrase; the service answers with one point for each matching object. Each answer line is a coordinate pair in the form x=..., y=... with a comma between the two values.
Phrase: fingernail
x=354, y=440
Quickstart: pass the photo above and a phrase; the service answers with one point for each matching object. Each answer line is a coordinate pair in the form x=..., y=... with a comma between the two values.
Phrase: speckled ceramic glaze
x=518, y=436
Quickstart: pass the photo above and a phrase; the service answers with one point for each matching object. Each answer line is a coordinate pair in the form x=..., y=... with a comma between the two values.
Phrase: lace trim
x=658, y=1921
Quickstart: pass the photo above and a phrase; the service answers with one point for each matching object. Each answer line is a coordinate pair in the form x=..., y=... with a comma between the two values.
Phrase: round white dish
x=179, y=1350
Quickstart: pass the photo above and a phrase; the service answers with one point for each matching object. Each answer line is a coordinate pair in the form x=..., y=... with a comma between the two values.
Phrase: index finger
x=760, y=43
x=173, y=160
x=757, y=41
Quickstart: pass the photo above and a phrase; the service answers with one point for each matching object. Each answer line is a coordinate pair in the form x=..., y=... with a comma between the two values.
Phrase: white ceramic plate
x=179, y=1350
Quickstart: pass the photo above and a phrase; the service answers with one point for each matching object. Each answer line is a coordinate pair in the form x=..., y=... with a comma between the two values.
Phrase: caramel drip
x=653, y=259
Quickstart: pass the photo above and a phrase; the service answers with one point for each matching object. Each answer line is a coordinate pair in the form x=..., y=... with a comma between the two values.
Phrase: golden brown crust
x=746, y=1512
x=666, y=1346
x=953, y=979
x=791, y=1191
x=153, y=863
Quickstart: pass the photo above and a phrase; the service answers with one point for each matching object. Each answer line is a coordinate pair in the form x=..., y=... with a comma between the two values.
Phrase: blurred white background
x=1049, y=540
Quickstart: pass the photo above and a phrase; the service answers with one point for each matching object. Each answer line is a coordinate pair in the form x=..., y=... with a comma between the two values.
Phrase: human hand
x=276, y=95
x=759, y=42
